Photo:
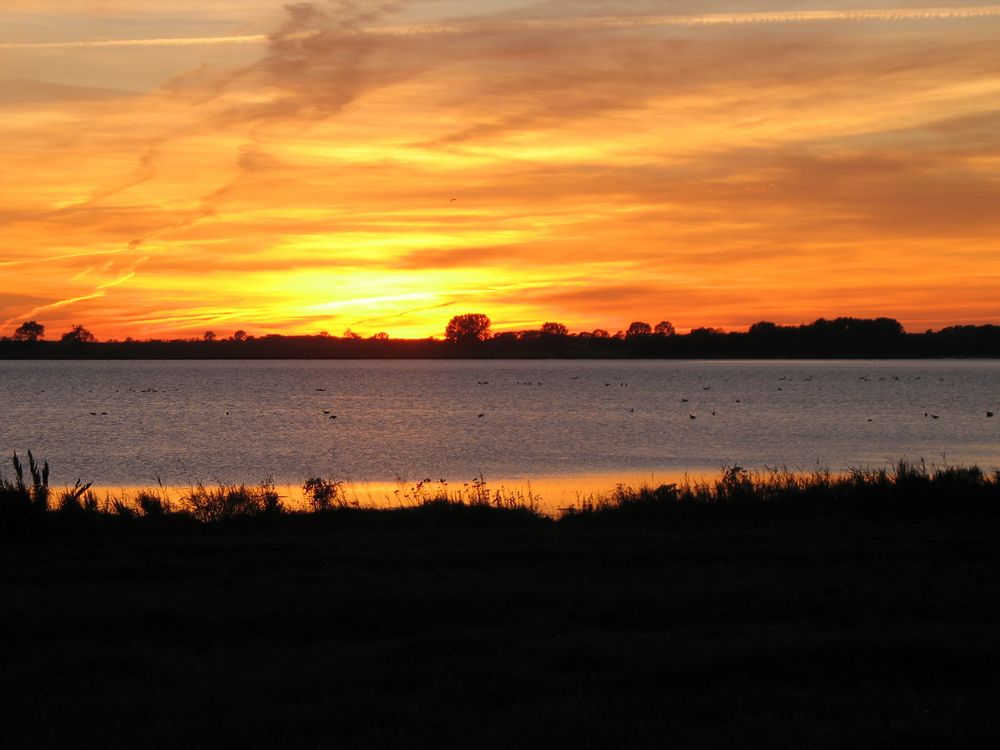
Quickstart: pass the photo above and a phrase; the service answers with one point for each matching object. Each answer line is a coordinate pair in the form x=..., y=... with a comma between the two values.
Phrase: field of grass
x=773, y=610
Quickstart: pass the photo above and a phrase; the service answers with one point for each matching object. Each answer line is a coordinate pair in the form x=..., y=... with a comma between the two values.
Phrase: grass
x=903, y=489
x=761, y=610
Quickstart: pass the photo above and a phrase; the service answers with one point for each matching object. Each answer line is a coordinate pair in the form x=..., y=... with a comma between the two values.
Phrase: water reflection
x=549, y=423
x=550, y=494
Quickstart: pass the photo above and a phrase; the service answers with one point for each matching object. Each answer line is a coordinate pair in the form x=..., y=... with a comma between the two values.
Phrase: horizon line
x=440, y=337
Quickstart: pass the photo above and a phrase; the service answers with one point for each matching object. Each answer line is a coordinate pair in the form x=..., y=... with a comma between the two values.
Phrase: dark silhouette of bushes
x=78, y=499
x=326, y=494
x=903, y=490
x=470, y=336
x=30, y=331
x=638, y=329
x=554, y=329
x=78, y=335
x=21, y=501
x=18, y=499
x=468, y=330
x=229, y=501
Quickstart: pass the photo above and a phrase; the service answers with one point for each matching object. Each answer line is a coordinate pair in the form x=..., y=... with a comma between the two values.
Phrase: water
x=562, y=424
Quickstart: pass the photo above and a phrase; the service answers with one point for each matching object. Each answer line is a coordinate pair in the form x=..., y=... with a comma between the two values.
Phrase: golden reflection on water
x=548, y=494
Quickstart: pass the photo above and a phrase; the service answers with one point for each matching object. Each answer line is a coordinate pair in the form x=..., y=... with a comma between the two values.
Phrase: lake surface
x=566, y=425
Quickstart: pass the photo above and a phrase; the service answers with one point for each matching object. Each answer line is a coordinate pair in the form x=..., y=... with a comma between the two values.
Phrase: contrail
x=734, y=19
x=713, y=19
x=99, y=291
x=187, y=41
x=596, y=22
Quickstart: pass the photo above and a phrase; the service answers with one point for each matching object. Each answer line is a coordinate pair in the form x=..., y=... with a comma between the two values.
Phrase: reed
x=901, y=489
x=904, y=488
x=230, y=501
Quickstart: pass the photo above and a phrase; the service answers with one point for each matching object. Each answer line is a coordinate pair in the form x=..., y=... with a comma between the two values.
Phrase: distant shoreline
x=98, y=356
x=872, y=358
x=843, y=338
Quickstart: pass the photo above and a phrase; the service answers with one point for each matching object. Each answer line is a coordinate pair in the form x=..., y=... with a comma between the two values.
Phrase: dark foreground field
x=471, y=627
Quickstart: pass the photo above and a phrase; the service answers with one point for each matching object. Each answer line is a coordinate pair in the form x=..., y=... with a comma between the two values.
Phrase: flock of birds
x=620, y=384
x=607, y=384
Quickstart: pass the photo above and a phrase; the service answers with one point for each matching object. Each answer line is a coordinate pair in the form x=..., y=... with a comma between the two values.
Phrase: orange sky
x=610, y=161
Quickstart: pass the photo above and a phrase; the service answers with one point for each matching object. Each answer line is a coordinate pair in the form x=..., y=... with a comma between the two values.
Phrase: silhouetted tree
x=78, y=335
x=825, y=338
x=29, y=331
x=471, y=328
x=889, y=327
x=763, y=327
x=664, y=328
x=554, y=329
x=637, y=329
x=380, y=336
x=209, y=336
x=349, y=334
x=240, y=335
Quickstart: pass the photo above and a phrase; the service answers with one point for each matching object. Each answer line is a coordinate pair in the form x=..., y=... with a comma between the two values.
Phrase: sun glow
x=302, y=171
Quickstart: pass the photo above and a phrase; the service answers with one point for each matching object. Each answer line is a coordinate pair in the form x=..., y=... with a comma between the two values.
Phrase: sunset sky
x=169, y=168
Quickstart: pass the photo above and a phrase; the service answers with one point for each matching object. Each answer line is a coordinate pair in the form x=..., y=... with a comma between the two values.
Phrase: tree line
x=472, y=335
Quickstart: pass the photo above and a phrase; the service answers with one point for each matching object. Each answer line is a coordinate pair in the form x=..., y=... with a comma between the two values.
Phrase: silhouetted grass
x=229, y=501
x=904, y=489
x=757, y=610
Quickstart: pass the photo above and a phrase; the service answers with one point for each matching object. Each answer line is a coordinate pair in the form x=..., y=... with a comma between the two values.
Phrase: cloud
x=99, y=291
x=606, y=168
x=348, y=17
x=163, y=42
x=26, y=91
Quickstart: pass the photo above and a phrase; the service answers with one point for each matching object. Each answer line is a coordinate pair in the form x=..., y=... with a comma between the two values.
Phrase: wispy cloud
x=707, y=168
x=189, y=41
x=551, y=24
x=99, y=291
x=715, y=19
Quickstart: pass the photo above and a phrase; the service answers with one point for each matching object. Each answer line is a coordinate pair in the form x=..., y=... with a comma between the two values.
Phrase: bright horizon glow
x=227, y=165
